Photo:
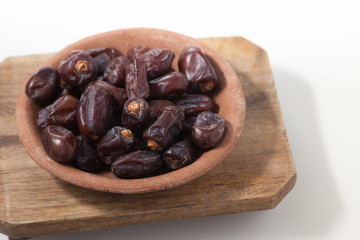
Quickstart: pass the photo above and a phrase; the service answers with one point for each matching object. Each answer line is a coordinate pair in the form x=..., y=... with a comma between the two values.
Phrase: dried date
x=137, y=164
x=208, y=129
x=95, y=112
x=62, y=112
x=60, y=143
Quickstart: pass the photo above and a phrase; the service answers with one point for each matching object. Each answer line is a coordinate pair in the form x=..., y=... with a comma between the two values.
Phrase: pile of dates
x=133, y=114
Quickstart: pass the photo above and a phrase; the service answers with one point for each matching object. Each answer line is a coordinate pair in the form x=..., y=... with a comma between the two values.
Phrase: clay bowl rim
x=27, y=129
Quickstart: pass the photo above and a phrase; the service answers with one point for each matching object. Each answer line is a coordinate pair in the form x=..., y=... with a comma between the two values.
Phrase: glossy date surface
x=198, y=69
x=158, y=62
x=168, y=86
x=95, y=112
x=103, y=56
x=62, y=112
x=137, y=164
x=136, y=81
x=117, y=141
x=78, y=68
x=180, y=154
x=194, y=104
x=60, y=143
x=116, y=70
x=42, y=86
x=208, y=129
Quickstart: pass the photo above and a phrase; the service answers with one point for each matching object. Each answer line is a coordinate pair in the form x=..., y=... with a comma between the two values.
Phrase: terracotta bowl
x=229, y=97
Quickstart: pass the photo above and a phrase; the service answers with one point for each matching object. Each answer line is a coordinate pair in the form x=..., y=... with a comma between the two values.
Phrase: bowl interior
x=229, y=97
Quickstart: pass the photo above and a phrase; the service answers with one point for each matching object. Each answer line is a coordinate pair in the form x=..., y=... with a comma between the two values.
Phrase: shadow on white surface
x=309, y=211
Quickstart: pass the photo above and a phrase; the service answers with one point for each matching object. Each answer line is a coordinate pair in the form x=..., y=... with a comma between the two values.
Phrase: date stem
x=82, y=66
x=153, y=145
x=134, y=107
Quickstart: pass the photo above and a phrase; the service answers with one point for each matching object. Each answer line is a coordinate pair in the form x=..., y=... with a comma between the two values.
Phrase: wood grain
x=256, y=175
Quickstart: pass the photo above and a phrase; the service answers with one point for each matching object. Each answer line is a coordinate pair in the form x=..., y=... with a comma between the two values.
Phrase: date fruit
x=60, y=143
x=169, y=86
x=103, y=56
x=137, y=164
x=194, y=104
x=197, y=68
x=117, y=141
x=78, y=69
x=208, y=129
x=180, y=154
x=42, y=85
x=163, y=131
x=87, y=157
x=135, y=114
x=136, y=82
x=62, y=112
x=116, y=70
x=118, y=94
x=158, y=62
x=95, y=112
x=137, y=52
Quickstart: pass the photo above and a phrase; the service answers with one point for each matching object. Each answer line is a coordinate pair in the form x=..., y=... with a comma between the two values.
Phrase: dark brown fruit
x=77, y=69
x=62, y=112
x=42, y=86
x=137, y=52
x=197, y=68
x=136, y=81
x=169, y=86
x=116, y=70
x=87, y=157
x=137, y=164
x=118, y=94
x=95, y=113
x=208, y=129
x=194, y=104
x=103, y=56
x=158, y=62
x=60, y=143
x=180, y=154
x=163, y=131
x=135, y=114
x=117, y=141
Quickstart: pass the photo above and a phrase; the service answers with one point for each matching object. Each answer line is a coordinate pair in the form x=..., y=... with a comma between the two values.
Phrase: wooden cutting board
x=257, y=174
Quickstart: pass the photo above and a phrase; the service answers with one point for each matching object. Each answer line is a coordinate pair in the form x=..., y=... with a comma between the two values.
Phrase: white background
x=314, y=51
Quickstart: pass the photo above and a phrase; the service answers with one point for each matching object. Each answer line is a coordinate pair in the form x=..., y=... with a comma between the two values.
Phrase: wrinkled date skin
x=197, y=68
x=194, y=104
x=62, y=112
x=103, y=56
x=117, y=141
x=41, y=87
x=136, y=82
x=163, y=131
x=116, y=70
x=137, y=52
x=169, y=86
x=158, y=62
x=208, y=129
x=87, y=157
x=68, y=90
x=157, y=106
x=135, y=114
x=78, y=69
x=95, y=112
x=137, y=164
x=180, y=154
x=60, y=143
x=118, y=94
